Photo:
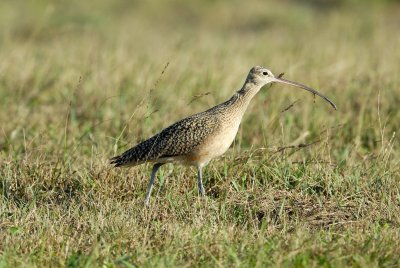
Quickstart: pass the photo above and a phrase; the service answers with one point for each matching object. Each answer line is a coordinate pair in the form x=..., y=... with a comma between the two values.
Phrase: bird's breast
x=219, y=142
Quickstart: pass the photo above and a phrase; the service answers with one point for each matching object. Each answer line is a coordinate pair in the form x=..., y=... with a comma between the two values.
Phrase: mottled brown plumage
x=176, y=140
x=197, y=139
x=183, y=137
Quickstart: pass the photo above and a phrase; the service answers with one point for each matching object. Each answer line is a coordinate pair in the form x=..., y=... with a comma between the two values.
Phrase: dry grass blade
x=301, y=187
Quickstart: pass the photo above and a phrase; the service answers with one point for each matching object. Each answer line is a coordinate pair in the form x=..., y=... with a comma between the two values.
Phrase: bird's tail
x=136, y=155
x=117, y=161
x=128, y=158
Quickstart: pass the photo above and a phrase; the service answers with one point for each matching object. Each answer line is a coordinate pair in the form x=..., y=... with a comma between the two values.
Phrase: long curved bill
x=284, y=81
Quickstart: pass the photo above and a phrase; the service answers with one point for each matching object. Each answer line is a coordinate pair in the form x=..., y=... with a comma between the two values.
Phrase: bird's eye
x=265, y=73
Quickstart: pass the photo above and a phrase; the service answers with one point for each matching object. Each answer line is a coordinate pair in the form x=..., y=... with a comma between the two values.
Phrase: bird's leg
x=151, y=183
x=200, y=181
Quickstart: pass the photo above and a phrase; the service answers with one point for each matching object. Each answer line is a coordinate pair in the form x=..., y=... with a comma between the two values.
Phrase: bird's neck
x=239, y=102
x=248, y=91
x=246, y=94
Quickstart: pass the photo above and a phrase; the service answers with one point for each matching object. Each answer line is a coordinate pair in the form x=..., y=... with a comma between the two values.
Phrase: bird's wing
x=178, y=139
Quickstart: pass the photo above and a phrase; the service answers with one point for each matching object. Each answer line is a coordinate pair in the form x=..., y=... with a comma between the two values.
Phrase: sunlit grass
x=303, y=185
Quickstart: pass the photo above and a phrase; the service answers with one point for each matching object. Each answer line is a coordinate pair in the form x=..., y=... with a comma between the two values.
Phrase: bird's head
x=261, y=76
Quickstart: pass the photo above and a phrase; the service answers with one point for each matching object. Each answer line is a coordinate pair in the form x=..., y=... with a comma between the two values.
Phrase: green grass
x=81, y=83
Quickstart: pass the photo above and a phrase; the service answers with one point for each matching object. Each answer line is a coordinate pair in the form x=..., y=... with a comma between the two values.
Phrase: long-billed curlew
x=197, y=139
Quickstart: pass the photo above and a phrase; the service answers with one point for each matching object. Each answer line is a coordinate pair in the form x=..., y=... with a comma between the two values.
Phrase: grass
x=80, y=84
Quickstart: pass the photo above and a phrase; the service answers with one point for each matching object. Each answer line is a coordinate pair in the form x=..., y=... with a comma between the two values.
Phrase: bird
x=199, y=138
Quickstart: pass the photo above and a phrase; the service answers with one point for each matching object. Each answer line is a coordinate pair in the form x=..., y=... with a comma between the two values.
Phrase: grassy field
x=302, y=185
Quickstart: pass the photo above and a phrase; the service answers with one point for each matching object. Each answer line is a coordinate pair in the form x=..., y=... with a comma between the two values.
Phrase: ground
x=303, y=185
